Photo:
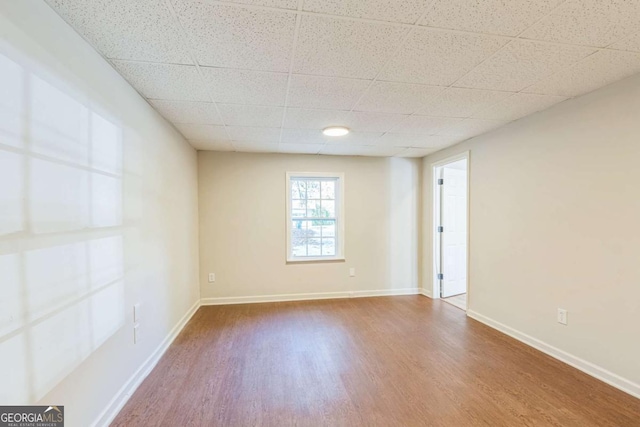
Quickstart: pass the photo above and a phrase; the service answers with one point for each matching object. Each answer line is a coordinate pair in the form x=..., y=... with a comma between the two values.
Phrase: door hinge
x=440, y=229
x=440, y=276
x=440, y=181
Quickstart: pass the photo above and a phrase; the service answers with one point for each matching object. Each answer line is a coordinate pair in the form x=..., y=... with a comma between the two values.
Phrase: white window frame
x=339, y=177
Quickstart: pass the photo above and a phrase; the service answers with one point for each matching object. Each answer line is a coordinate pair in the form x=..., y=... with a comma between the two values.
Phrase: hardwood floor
x=389, y=361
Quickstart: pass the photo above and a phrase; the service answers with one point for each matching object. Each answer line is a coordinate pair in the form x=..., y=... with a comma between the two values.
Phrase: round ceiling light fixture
x=335, y=131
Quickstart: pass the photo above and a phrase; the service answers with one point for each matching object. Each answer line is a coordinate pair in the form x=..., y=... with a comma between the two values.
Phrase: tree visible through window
x=313, y=215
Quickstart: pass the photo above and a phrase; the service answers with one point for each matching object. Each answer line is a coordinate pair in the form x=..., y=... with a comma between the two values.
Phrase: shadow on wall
x=61, y=248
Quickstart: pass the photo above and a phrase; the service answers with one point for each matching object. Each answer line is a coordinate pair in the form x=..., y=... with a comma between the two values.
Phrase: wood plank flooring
x=389, y=361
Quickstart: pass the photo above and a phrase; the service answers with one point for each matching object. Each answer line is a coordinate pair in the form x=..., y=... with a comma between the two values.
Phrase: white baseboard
x=587, y=367
x=426, y=293
x=308, y=296
x=127, y=390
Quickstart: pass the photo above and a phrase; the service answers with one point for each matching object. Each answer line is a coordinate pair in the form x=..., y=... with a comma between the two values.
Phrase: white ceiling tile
x=360, y=150
x=238, y=37
x=246, y=86
x=123, y=29
x=164, y=81
x=332, y=93
x=315, y=136
x=251, y=115
x=521, y=64
x=631, y=43
x=599, y=69
x=488, y=16
x=426, y=125
x=188, y=111
x=281, y=4
x=416, y=152
x=212, y=145
x=418, y=141
x=468, y=128
x=256, y=147
x=303, y=118
x=407, y=11
x=588, y=22
x=401, y=98
x=254, y=134
x=201, y=132
x=302, y=136
x=345, y=48
x=439, y=57
x=355, y=138
x=300, y=148
x=461, y=102
x=519, y=105
x=363, y=121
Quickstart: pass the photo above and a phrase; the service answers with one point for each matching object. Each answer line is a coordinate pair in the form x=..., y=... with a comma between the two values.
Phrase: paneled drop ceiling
x=408, y=77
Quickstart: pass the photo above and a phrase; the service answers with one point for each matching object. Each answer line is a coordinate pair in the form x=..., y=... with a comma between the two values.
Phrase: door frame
x=435, y=283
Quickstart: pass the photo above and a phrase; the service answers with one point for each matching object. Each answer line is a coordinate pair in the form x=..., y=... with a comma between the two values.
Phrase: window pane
x=329, y=228
x=299, y=231
x=328, y=190
x=314, y=246
x=298, y=208
x=329, y=208
x=298, y=189
x=328, y=246
x=299, y=248
x=313, y=189
x=313, y=208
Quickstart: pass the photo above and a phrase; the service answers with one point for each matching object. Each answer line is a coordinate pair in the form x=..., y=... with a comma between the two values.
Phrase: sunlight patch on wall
x=61, y=239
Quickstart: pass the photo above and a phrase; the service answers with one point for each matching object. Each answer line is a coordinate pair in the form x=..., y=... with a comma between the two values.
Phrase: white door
x=454, y=233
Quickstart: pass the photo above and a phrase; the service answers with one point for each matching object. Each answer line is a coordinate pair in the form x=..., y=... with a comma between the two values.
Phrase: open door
x=451, y=227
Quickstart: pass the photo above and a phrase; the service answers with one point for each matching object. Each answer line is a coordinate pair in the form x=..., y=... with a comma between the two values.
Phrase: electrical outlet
x=212, y=277
x=562, y=316
x=352, y=272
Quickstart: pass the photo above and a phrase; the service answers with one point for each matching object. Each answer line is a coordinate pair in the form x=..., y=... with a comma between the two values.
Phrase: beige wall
x=555, y=222
x=98, y=211
x=242, y=225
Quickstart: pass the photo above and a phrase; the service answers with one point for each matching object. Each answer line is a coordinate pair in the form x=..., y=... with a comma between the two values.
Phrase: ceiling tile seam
x=395, y=53
x=517, y=37
x=570, y=67
x=294, y=47
x=185, y=39
x=112, y=65
x=403, y=24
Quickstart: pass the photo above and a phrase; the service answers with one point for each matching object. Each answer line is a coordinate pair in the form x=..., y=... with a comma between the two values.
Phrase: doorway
x=451, y=215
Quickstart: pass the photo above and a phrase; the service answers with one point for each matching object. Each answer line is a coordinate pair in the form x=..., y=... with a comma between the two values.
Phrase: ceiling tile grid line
x=520, y=36
x=193, y=56
x=488, y=107
x=548, y=75
x=392, y=56
x=296, y=34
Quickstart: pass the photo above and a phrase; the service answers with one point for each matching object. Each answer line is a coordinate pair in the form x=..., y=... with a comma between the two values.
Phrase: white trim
x=587, y=367
x=466, y=155
x=127, y=390
x=308, y=296
x=340, y=209
x=426, y=292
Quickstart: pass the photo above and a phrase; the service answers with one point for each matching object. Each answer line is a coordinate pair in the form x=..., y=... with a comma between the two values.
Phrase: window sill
x=314, y=260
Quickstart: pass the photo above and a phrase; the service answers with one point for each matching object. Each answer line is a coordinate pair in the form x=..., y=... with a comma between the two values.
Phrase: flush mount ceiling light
x=335, y=131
